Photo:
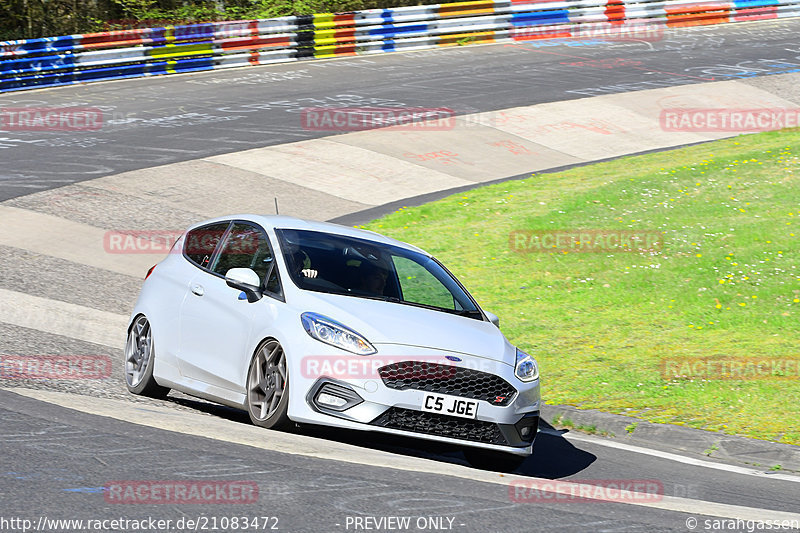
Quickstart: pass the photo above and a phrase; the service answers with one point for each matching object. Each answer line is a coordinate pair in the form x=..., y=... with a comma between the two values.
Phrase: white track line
x=680, y=458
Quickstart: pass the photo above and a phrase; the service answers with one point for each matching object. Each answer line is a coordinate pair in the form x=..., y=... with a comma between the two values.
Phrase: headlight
x=526, y=369
x=331, y=332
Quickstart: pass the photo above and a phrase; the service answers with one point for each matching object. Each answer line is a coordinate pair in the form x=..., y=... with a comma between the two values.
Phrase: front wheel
x=139, y=361
x=268, y=387
x=492, y=460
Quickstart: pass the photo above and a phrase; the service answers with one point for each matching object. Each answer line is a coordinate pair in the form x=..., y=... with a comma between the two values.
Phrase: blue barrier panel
x=749, y=4
x=194, y=31
x=544, y=17
x=107, y=73
x=390, y=29
x=39, y=46
x=35, y=64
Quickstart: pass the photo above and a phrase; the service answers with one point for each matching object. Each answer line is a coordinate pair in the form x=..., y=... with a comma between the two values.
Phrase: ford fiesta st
x=307, y=322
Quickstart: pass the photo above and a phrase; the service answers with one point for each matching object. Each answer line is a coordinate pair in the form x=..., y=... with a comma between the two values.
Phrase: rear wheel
x=268, y=387
x=139, y=361
x=494, y=461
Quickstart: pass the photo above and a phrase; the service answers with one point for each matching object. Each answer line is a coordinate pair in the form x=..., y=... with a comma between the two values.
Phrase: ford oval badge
x=453, y=358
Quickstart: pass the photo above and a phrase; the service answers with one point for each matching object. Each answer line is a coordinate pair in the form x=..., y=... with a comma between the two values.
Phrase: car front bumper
x=375, y=402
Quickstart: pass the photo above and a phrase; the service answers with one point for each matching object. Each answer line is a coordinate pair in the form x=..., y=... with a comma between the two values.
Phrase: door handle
x=198, y=290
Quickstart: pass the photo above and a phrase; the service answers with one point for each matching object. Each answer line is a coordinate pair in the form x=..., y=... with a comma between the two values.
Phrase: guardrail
x=54, y=61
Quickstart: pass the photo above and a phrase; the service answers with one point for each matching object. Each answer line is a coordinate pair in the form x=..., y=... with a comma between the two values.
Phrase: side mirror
x=245, y=280
x=493, y=318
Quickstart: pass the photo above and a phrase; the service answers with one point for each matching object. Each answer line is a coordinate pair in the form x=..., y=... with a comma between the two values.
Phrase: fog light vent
x=329, y=396
x=527, y=427
x=330, y=400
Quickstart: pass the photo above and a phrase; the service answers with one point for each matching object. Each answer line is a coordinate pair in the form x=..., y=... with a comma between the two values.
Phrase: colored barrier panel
x=69, y=59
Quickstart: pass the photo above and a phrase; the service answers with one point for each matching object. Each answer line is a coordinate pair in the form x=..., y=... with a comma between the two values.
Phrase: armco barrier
x=54, y=61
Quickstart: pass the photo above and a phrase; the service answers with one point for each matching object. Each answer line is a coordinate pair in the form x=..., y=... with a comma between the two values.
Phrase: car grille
x=447, y=379
x=441, y=425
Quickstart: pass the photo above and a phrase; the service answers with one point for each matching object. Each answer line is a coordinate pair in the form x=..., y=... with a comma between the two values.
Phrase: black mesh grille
x=441, y=425
x=446, y=379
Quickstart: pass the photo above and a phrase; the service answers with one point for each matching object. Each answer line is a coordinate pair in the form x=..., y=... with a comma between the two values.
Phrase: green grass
x=562, y=422
x=725, y=285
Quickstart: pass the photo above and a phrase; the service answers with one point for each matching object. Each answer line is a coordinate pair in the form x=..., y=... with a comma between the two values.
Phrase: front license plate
x=450, y=405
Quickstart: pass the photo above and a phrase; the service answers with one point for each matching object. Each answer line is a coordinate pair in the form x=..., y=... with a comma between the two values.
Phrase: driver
x=300, y=261
x=372, y=278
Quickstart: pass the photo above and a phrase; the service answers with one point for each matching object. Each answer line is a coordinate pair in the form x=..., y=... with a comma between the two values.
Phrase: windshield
x=337, y=264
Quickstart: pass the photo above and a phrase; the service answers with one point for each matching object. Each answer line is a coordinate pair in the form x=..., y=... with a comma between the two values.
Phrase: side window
x=247, y=247
x=420, y=286
x=200, y=243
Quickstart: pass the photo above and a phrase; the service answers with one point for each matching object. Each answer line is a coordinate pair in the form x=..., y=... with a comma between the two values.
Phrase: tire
x=140, y=358
x=268, y=387
x=494, y=461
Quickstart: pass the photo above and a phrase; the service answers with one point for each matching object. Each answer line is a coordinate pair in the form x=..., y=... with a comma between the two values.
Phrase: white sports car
x=307, y=322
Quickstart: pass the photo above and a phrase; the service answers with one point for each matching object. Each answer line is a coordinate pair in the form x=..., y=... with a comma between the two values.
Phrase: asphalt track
x=304, y=494
x=64, y=458
x=177, y=118
x=55, y=461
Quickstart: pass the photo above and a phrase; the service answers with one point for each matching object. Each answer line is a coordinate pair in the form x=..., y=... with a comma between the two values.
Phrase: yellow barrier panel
x=181, y=50
x=463, y=39
x=460, y=9
x=323, y=20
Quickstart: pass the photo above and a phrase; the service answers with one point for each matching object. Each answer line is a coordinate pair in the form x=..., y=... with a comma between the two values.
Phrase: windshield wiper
x=463, y=312
x=469, y=312
x=395, y=299
x=380, y=298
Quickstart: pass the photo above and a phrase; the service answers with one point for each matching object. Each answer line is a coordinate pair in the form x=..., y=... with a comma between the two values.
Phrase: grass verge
x=633, y=333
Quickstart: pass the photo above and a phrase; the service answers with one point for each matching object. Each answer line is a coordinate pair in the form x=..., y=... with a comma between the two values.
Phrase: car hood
x=394, y=323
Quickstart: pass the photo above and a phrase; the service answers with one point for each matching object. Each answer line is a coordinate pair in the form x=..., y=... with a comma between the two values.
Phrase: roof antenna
x=276, y=206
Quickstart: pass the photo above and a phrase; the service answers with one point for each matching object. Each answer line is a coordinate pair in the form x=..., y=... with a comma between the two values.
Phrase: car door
x=217, y=320
x=176, y=275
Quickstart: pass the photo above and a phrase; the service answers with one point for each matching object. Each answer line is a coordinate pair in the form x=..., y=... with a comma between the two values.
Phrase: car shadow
x=554, y=456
